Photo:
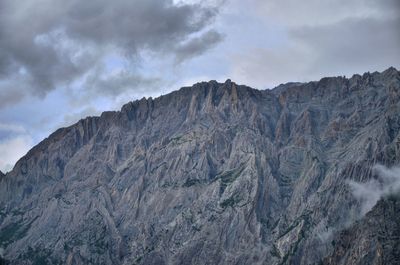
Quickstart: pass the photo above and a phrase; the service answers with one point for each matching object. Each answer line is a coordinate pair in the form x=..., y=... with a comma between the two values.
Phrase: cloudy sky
x=63, y=60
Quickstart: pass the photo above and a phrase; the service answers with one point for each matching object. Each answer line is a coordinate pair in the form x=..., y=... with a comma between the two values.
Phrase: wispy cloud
x=11, y=127
x=12, y=149
x=369, y=193
x=14, y=143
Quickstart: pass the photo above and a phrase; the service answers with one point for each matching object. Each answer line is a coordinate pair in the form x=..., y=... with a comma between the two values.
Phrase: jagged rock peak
x=391, y=69
x=387, y=74
x=215, y=173
x=391, y=72
x=200, y=97
x=215, y=89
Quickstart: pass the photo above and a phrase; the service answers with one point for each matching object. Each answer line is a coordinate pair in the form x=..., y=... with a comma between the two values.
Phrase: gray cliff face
x=377, y=236
x=210, y=174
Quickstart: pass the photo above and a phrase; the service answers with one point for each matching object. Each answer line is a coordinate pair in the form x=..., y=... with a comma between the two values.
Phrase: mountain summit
x=216, y=173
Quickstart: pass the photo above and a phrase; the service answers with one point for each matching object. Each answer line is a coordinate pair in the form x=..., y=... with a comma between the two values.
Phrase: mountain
x=216, y=173
x=377, y=237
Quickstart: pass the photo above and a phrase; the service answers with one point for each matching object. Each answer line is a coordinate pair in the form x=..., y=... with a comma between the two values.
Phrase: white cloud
x=370, y=192
x=12, y=149
x=10, y=127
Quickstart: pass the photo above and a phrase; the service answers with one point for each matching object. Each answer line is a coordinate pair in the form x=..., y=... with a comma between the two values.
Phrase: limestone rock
x=216, y=173
x=372, y=240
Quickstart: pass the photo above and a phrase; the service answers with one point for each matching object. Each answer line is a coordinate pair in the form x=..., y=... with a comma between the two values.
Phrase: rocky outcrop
x=375, y=239
x=216, y=173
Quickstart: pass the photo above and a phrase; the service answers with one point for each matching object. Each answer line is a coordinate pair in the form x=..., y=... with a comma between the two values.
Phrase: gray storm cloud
x=52, y=43
x=368, y=193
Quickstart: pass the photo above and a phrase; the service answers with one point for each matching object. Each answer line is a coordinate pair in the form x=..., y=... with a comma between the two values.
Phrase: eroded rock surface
x=216, y=173
x=376, y=237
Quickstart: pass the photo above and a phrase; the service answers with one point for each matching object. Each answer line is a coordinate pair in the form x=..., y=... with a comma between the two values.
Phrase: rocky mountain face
x=377, y=237
x=216, y=173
